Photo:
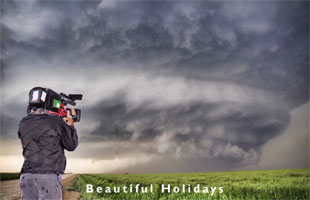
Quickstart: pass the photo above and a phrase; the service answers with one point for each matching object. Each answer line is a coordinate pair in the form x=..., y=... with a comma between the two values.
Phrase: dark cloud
x=209, y=80
x=9, y=127
x=193, y=39
x=218, y=130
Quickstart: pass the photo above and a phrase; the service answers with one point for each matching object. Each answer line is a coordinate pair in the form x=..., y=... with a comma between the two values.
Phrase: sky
x=168, y=86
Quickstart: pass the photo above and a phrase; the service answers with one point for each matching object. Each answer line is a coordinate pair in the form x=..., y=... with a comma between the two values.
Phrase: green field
x=8, y=176
x=263, y=184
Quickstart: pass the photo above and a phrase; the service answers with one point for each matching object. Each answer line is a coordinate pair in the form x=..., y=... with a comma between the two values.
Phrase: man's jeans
x=41, y=186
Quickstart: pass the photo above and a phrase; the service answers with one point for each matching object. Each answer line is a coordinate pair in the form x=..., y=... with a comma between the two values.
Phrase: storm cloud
x=183, y=80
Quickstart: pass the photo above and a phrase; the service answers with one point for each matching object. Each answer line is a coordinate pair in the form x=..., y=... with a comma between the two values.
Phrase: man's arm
x=69, y=136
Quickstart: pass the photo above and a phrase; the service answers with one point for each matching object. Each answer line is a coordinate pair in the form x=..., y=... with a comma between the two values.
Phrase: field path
x=69, y=195
x=9, y=190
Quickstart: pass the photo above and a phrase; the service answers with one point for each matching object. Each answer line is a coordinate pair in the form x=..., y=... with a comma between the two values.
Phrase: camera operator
x=44, y=136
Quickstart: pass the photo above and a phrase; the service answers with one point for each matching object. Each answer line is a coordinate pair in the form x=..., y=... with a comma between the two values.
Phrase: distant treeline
x=9, y=176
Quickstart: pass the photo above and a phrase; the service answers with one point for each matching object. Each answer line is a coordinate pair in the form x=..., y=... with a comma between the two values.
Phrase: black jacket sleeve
x=69, y=138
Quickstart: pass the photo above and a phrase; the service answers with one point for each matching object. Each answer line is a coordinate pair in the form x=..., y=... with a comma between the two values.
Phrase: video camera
x=53, y=102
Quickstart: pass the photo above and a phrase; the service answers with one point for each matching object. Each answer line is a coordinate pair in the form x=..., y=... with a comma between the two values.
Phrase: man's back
x=44, y=138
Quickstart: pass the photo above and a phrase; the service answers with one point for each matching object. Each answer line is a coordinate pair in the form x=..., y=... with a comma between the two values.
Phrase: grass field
x=8, y=176
x=263, y=184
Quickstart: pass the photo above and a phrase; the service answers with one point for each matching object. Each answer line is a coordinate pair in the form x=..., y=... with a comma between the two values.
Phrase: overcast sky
x=179, y=85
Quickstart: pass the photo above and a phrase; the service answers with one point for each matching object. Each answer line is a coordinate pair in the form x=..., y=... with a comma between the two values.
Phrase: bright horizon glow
x=13, y=164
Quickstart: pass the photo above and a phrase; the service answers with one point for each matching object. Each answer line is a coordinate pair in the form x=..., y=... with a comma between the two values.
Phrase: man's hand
x=69, y=119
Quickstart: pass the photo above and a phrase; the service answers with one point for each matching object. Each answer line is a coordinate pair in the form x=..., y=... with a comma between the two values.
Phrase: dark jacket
x=44, y=138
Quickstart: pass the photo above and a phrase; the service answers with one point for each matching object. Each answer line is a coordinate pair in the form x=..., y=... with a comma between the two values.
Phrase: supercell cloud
x=195, y=81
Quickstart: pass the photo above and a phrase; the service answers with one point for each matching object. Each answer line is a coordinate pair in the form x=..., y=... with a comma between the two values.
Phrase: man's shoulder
x=40, y=117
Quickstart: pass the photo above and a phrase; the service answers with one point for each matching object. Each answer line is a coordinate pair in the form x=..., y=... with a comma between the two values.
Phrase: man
x=44, y=136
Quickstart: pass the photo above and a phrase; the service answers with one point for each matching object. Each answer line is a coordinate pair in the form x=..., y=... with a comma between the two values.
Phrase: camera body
x=53, y=102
